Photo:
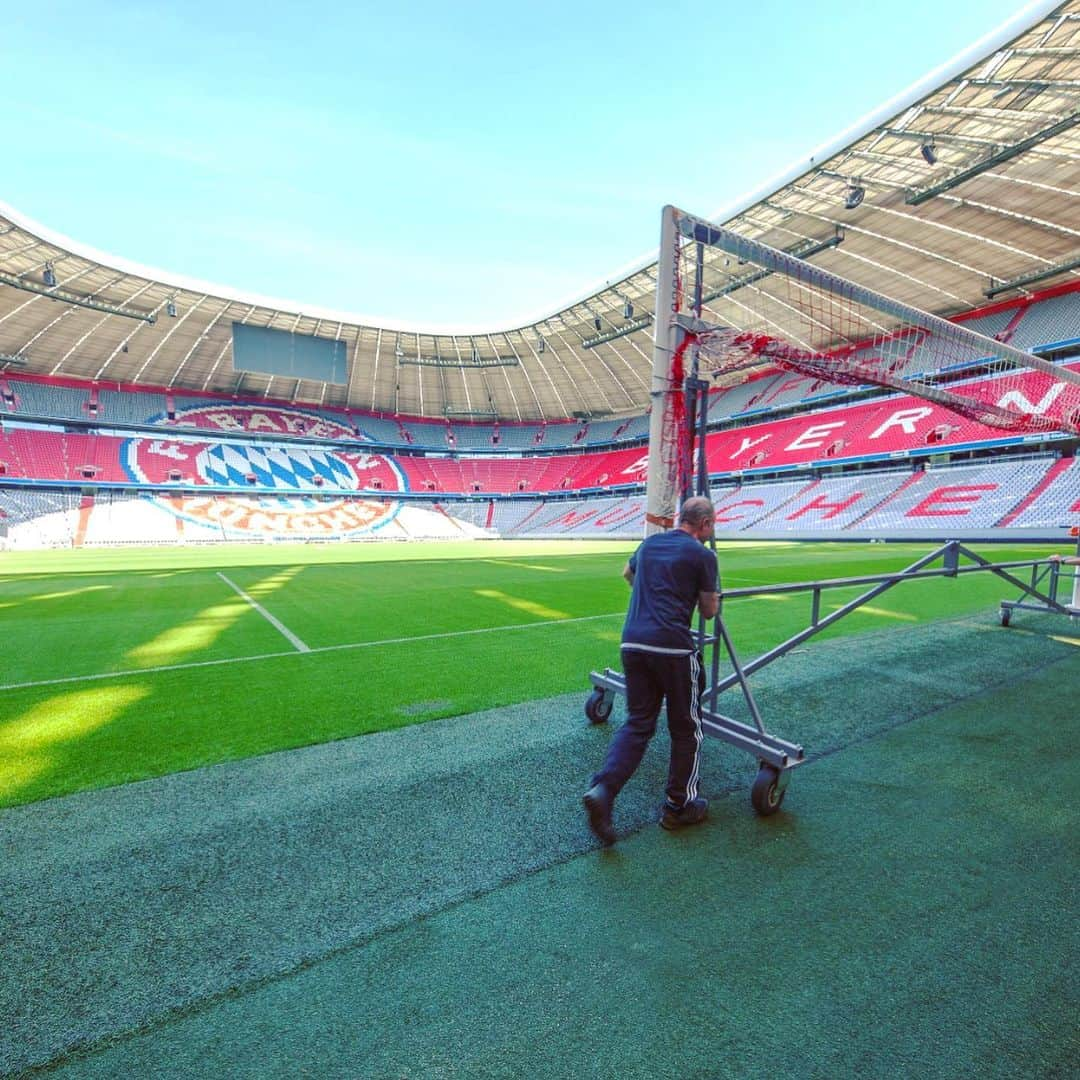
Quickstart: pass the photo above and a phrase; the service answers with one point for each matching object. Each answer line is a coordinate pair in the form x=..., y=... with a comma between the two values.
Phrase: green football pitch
x=121, y=665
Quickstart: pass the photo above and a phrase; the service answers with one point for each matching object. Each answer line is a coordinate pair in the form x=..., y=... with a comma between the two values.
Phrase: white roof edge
x=985, y=46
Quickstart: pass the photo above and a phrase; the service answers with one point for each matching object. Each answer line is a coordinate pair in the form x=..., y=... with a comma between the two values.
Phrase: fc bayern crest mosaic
x=299, y=487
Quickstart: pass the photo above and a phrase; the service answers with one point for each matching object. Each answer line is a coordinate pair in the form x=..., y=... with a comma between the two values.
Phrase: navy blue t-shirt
x=670, y=569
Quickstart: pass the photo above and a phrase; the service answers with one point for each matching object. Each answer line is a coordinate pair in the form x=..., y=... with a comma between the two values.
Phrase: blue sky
x=445, y=165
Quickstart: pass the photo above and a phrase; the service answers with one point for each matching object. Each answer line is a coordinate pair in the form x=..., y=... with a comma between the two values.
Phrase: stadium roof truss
x=960, y=192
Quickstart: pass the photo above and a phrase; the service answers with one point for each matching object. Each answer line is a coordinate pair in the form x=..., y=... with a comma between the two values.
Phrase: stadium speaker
x=854, y=197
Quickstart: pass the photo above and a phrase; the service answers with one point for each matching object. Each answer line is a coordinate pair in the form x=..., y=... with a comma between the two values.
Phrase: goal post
x=666, y=431
x=732, y=306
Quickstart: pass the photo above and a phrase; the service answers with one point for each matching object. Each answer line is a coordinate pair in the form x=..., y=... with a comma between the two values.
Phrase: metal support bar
x=740, y=674
x=886, y=582
x=778, y=753
x=54, y=293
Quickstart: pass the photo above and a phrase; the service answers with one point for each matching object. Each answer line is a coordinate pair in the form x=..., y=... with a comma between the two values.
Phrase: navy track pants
x=651, y=680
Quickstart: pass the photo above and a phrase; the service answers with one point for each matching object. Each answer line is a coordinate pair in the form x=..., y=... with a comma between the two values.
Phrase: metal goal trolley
x=1053, y=575
x=703, y=264
x=777, y=757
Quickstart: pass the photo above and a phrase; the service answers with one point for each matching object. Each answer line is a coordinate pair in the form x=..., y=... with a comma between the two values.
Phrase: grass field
x=428, y=901
x=123, y=665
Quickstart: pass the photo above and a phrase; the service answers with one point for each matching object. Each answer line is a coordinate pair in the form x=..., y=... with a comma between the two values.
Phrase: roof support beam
x=1032, y=278
x=74, y=298
x=642, y=322
x=1007, y=153
x=1033, y=84
x=800, y=251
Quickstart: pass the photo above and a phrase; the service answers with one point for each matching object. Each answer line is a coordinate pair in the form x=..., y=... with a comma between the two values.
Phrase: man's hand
x=708, y=604
x=628, y=573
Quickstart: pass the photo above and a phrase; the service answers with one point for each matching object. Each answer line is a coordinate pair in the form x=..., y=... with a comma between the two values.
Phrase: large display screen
x=263, y=351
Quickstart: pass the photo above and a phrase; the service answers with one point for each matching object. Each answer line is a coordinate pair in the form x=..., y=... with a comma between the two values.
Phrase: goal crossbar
x=779, y=311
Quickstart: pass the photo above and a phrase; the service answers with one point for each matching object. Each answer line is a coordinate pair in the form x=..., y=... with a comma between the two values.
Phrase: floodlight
x=855, y=195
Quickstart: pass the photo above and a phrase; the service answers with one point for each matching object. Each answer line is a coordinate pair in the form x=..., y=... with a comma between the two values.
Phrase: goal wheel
x=598, y=707
x=766, y=795
x=1006, y=615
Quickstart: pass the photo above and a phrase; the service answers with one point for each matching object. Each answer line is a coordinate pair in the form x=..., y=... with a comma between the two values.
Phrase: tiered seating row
x=880, y=429
x=935, y=502
x=80, y=401
x=928, y=503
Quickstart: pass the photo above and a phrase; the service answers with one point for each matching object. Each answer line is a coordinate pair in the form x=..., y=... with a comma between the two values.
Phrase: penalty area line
x=309, y=652
x=277, y=624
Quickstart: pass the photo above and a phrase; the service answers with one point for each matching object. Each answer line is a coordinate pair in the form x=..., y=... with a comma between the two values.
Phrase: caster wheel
x=598, y=707
x=766, y=795
x=1006, y=615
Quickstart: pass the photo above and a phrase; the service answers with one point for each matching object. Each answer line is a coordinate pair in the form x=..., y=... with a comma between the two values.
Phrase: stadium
x=310, y=623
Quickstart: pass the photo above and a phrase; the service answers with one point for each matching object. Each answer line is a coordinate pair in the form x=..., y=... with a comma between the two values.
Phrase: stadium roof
x=971, y=193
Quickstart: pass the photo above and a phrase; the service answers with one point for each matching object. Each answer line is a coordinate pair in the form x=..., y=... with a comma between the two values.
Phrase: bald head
x=696, y=512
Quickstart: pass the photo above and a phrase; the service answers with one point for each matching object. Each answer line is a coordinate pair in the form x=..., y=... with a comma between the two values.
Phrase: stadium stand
x=974, y=496
x=1039, y=492
x=835, y=502
x=1049, y=322
x=819, y=425
x=1052, y=502
x=41, y=398
x=741, y=507
x=131, y=406
x=510, y=518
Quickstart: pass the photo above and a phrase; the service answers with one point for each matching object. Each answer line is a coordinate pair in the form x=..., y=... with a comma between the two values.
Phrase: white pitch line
x=277, y=624
x=310, y=652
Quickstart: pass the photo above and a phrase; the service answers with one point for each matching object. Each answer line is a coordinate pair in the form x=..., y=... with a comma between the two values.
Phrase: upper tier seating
x=1049, y=322
x=879, y=428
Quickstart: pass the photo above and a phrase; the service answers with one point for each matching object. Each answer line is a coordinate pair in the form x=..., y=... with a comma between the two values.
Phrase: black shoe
x=598, y=806
x=691, y=814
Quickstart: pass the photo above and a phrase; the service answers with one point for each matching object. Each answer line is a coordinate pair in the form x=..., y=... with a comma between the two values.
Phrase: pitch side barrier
x=777, y=757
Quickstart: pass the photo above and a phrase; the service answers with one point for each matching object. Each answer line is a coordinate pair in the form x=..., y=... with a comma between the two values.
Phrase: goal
x=728, y=307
